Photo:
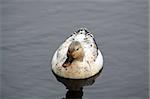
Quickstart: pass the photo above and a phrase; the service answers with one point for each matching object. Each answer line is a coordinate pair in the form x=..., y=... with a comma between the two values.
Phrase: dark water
x=33, y=29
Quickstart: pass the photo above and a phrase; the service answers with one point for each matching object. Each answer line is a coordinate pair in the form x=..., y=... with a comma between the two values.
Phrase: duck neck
x=80, y=58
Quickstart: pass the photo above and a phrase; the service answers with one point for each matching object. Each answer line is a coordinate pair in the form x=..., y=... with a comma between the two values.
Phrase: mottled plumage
x=92, y=60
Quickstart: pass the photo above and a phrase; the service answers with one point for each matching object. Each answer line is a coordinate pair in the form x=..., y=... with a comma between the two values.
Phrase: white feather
x=92, y=62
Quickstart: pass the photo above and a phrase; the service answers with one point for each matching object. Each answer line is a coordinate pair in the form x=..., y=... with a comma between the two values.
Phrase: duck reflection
x=72, y=94
x=75, y=86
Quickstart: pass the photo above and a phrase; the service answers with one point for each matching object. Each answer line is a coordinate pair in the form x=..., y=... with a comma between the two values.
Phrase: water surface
x=33, y=29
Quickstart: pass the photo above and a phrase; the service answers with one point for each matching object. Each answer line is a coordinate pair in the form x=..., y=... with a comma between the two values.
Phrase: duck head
x=75, y=53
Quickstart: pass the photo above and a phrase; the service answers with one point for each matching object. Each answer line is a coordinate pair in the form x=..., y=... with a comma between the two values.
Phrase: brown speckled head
x=76, y=51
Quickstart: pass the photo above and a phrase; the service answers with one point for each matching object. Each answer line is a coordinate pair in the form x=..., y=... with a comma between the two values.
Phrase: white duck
x=78, y=57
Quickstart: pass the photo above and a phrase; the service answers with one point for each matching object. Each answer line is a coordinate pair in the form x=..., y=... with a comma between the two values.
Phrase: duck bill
x=68, y=62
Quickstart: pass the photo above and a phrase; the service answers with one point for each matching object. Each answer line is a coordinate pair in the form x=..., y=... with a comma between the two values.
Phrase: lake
x=33, y=29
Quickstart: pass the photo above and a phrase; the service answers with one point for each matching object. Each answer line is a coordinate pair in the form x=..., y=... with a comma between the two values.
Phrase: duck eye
x=77, y=49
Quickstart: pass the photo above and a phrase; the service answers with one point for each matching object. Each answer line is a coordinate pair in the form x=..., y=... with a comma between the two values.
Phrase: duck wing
x=61, y=53
x=90, y=48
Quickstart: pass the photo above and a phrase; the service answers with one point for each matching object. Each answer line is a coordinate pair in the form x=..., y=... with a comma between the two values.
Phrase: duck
x=78, y=57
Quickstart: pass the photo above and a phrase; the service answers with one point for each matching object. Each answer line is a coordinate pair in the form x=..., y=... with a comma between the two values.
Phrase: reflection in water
x=74, y=94
x=75, y=86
